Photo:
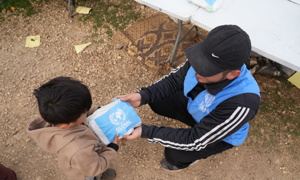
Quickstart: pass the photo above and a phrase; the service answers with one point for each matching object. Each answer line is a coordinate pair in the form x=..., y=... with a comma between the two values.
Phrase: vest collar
x=214, y=88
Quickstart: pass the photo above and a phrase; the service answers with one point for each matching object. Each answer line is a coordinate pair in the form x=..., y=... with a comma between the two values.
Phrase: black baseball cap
x=225, y=47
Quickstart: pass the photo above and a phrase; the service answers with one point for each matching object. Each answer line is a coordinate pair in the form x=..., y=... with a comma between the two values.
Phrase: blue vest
x=204, y=102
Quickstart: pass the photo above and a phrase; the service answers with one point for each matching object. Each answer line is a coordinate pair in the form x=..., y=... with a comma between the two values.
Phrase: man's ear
x=233, y=74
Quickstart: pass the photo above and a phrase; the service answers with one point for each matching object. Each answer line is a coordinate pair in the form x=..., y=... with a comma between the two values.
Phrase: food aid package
x=118, y=117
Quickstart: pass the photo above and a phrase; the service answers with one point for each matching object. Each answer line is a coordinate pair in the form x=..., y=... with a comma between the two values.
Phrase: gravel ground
x=108, y=72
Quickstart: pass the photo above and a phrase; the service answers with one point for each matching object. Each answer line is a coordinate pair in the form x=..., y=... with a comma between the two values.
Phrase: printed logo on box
x=117, y=117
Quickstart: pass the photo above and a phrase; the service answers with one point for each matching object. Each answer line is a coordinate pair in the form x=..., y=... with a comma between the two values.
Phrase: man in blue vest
x=213, y=92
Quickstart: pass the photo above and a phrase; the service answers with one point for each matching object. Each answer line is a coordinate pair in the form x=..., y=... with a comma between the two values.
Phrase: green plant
x=107, y=16
x=18, y=6
x=110, y=16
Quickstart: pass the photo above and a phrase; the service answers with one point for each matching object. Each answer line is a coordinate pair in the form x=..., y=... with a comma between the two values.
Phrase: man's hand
x=136, y=133
x=134, y=99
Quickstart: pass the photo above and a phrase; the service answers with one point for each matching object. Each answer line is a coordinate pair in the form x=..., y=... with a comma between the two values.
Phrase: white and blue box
x=118, y=117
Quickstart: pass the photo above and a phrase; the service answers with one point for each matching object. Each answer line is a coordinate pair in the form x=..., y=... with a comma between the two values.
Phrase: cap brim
x=201, y=64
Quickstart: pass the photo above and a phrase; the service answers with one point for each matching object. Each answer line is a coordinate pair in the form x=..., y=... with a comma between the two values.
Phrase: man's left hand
x=136, y=133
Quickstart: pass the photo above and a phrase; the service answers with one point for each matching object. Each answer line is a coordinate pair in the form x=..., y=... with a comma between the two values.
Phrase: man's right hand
x=134, y=99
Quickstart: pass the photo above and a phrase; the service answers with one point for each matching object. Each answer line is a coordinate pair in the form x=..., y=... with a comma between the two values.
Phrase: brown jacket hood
x=53, y=139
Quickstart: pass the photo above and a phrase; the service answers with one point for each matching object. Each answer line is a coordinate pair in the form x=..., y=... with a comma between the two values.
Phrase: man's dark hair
x=63, y=100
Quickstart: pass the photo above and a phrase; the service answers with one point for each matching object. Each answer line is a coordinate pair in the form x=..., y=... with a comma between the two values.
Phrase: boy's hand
x=134, y=99
x=117, y=140
x=136, y=133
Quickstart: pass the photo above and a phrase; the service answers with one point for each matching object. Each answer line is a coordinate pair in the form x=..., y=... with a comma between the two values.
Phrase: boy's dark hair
x=63, y=100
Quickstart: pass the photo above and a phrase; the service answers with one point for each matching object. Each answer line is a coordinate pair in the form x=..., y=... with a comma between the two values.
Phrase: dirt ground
x=108, y=72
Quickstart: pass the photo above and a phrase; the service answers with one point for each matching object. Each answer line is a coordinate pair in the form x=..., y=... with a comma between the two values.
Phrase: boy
x=64, y=104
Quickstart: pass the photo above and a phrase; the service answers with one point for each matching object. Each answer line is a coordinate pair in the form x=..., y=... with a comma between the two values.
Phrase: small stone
x=119, y=46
